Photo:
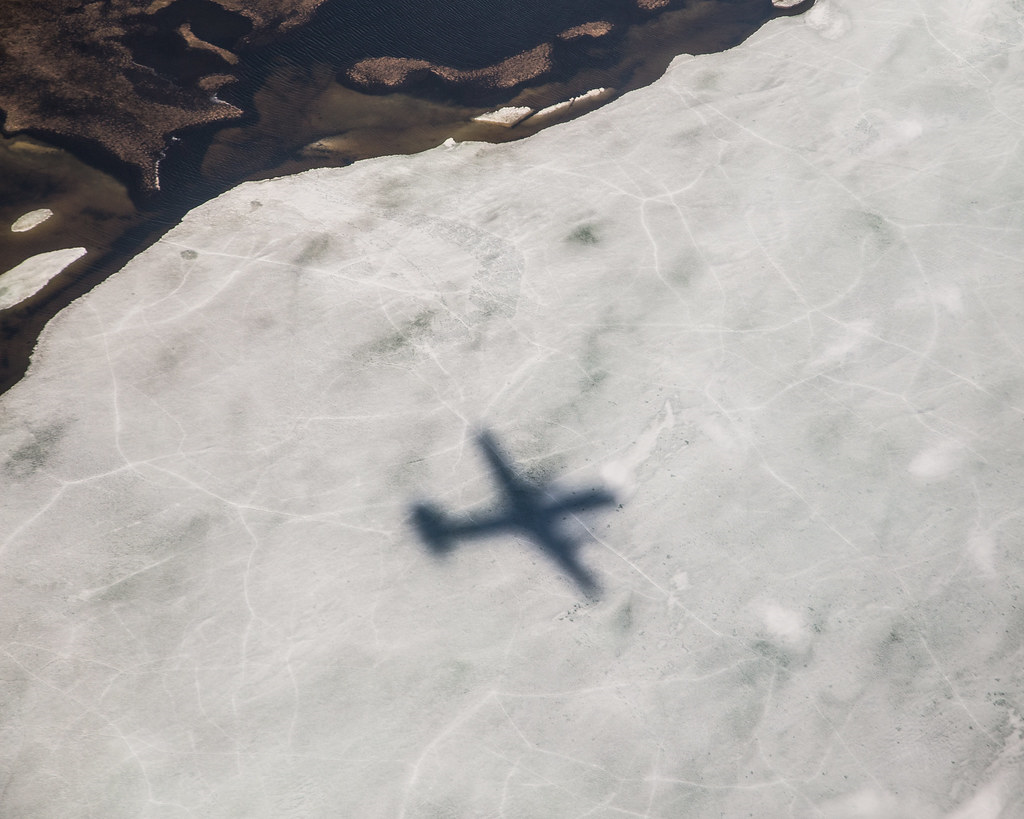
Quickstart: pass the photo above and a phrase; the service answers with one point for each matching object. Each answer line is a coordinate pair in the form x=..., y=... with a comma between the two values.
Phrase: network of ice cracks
x=773, y=300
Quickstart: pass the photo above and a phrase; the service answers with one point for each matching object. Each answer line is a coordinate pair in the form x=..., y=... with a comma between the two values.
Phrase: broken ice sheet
x=775, y=296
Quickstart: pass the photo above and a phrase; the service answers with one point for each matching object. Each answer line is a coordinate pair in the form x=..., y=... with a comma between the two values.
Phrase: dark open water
x=304, y=112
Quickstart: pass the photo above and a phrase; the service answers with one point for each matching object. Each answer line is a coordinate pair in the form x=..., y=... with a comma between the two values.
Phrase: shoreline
x=299, y=117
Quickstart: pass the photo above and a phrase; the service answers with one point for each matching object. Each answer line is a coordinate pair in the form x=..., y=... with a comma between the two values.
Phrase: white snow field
x=774, y=301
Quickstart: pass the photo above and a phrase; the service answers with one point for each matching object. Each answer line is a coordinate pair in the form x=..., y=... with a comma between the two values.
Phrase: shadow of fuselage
x=528, y=510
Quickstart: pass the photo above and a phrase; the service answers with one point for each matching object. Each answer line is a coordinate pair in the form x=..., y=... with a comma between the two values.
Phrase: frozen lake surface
x=773, y=302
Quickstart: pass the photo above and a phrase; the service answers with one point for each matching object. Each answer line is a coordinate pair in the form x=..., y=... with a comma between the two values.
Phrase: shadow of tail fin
x=431, y=525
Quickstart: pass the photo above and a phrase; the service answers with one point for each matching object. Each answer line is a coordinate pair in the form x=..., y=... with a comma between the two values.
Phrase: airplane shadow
x=527, y=510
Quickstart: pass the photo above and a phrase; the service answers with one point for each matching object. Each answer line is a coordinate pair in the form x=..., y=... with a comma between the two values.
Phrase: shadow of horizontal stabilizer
x=526, y=510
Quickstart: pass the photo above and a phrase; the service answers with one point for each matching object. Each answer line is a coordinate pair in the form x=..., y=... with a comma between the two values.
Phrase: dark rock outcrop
x=120, y=76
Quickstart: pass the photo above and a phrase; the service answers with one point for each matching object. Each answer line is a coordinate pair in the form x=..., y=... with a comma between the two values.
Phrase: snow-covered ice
x=773, y=300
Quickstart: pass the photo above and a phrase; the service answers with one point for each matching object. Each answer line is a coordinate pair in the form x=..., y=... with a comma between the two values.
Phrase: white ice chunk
x=936, y=461
x=591, y=96
x=786, y=627
x=507, y=116
x=30, y=276
x=827, y=19
x=32, y=219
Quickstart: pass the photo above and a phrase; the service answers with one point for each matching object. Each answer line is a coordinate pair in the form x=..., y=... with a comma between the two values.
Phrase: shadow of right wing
x=582, y=501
